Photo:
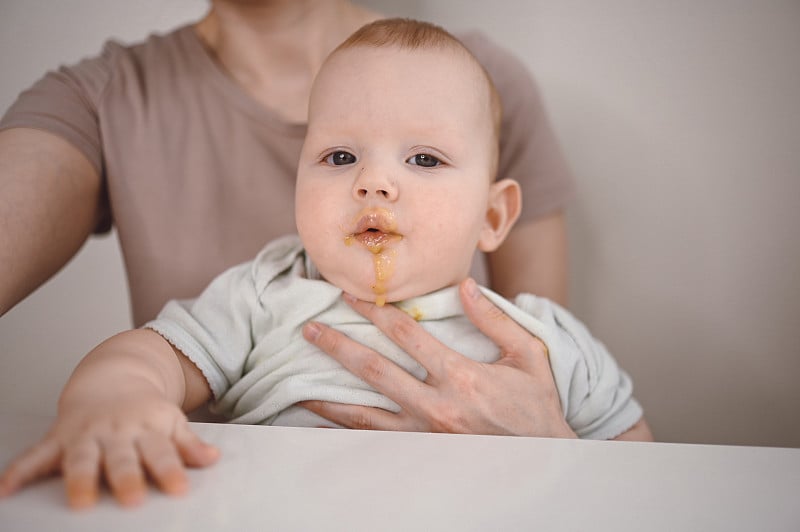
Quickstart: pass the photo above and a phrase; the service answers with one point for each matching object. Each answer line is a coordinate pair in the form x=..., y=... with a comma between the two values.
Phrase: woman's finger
x=409, y=335
x=381, y=373
x=37, y=462
x=357, y=416
x=162, y=462
x=519, y=348
x=81, y=470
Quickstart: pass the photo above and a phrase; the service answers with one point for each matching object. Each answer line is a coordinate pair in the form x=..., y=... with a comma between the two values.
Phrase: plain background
x=681, y=122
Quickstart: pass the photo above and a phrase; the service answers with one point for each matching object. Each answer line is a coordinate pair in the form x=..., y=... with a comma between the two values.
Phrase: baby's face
x=394, y=175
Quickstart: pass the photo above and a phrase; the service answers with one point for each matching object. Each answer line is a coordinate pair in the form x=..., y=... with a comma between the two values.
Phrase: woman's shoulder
x=93, y=73
x=88, y=78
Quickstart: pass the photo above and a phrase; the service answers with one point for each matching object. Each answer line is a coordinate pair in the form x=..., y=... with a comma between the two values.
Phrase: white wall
x=681, y=121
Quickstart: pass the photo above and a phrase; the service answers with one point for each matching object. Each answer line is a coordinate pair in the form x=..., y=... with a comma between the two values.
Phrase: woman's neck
x=273, y=49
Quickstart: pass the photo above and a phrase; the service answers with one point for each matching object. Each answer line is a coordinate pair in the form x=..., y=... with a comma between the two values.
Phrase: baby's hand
x=122, y=442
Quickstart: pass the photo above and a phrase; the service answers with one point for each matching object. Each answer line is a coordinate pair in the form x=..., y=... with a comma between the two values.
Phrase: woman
x=189, y=140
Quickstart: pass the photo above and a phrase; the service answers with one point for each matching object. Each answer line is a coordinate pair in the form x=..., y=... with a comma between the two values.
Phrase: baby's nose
x=379, y=192
x=374, y=186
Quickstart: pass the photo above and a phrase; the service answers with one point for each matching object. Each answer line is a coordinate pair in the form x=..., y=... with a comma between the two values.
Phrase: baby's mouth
x=374, y=229
x=375, y=240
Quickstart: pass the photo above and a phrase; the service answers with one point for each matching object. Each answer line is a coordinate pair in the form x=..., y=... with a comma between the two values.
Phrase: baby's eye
x=340, y=158
x=424, y=159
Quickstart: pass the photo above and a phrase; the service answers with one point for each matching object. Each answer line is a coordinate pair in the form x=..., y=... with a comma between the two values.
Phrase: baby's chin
x=383, y=295
x=380, y=299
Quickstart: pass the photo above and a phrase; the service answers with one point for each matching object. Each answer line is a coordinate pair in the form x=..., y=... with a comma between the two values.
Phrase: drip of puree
x=376, y=231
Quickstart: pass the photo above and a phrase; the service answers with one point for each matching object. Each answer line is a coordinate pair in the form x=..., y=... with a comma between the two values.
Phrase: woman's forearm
x=533, y=259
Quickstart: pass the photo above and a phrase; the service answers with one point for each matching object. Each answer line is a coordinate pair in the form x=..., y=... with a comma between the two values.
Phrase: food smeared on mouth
x=376, y=230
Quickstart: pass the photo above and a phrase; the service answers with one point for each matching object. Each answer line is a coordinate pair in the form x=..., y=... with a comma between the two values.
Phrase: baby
x=395, y=192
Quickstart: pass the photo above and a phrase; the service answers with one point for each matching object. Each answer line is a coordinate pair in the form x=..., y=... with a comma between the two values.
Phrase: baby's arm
x=121, y=417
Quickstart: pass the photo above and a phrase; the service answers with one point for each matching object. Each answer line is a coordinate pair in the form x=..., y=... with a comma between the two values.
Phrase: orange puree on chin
x=375, y=230
x=384, y=267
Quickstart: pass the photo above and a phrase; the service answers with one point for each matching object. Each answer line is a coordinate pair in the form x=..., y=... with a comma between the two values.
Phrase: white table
x=279, y=479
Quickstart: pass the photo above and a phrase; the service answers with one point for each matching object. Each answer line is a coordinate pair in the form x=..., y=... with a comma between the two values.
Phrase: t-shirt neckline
x=216, y=74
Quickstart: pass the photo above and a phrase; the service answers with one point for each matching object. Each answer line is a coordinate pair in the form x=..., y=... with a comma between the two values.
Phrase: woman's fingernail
x=348, y=297
x=471, y=288
x=312, y=330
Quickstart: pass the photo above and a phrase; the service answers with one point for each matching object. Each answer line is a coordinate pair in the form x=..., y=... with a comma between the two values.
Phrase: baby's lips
x=379, y=219
x=376, y=241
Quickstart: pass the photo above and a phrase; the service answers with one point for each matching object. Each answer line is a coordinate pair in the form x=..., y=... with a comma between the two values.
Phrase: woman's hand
x=123, y=441
x=515, y=395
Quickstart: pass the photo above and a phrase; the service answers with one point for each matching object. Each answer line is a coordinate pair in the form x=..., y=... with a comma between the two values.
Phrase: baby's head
x=396, y=182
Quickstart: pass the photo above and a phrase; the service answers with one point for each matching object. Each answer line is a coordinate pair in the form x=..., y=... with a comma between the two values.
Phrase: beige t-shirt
x=199, y=176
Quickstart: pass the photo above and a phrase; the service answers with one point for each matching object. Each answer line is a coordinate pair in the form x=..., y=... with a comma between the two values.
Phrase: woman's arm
x=640, y=431
x=49, y=205
x=533, y=259
x=120, y=417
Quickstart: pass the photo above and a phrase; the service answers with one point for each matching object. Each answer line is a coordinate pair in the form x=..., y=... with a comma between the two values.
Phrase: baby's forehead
x=390, y=75
x=449, y=65
x=445, y=55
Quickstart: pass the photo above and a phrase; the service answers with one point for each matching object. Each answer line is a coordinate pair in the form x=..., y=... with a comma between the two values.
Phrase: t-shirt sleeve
x=529, y=150
x=214, y=330
x=65, y=102
x=596, y=394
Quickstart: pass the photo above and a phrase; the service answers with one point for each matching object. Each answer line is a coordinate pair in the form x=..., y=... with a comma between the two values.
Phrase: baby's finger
x=81, y=470
x=193, y=451
x=123, y=471
x=161, y=460
x=39, y=461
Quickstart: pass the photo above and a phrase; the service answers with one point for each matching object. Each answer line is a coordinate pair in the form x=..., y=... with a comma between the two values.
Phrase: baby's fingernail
x=471, y=288
x=312, y=330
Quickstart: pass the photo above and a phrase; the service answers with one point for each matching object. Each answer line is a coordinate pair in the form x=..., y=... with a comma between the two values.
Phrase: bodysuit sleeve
x=218, y=329
x=529, y=151
x=214, y=330
x=596, y=394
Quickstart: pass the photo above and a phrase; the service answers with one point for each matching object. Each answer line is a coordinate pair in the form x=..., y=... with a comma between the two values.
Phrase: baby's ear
x=504, y=206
